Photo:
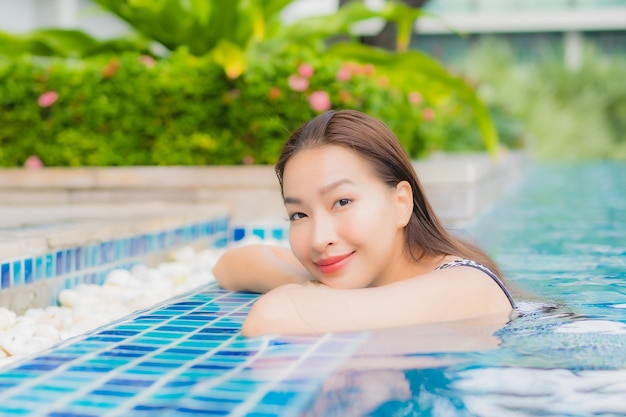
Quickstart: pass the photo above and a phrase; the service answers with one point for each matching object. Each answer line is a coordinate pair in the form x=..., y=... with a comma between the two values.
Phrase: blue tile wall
x=276, y=232
x=91, y=263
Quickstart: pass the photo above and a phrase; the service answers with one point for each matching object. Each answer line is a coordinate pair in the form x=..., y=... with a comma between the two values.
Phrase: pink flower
x=415, y=97
x=369, y=69
x=33, y=162
x=248, y=160
x=147, y=60
x=298, y=83
x=306, y=70
x=344, y=74
x=48, y=98
x=319, y=101
x=428, y=114
x=383, y=81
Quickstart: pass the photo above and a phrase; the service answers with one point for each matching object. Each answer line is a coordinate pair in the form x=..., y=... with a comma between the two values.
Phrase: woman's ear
x=404, y=203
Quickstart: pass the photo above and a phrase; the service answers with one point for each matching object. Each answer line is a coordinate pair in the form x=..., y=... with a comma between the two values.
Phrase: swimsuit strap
x=474, y=264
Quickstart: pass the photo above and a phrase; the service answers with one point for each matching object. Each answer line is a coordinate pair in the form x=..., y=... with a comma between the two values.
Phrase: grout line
x=82, y=358
x=254, y=399
x=124, y=408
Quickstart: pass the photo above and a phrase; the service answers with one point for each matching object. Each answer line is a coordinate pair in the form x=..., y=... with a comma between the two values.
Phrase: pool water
x=559, y=235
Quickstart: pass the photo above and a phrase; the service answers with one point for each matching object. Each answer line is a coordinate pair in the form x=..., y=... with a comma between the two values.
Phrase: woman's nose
x=324, y=233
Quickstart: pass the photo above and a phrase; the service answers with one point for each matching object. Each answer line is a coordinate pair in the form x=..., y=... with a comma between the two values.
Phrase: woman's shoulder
x=456, y=262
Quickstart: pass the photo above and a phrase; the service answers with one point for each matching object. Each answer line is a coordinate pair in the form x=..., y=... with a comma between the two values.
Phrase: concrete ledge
x=458, y=185
x=32, y=229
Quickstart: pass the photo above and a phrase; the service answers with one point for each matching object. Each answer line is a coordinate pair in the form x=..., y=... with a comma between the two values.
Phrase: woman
x=367, y=250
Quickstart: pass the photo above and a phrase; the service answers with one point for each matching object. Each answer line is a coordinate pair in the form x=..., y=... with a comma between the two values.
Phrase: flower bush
x=184, y=110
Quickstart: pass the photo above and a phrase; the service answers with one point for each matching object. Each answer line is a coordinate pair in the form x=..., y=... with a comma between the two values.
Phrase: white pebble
x=88, y=306
x=7, y=318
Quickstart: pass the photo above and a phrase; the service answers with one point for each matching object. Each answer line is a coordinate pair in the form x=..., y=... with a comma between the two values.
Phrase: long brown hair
x=373, y=140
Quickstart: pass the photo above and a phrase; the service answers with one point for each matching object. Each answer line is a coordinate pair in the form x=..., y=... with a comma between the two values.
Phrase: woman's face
x=347, y=225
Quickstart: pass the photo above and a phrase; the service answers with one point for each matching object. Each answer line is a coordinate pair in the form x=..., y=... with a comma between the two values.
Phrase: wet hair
x=375, y=142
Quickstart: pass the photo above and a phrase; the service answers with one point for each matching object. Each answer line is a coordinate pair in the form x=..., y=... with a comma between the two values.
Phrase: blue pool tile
x=238, y=234
x=98, y=403
x=214, y=330
x=162, y=335
x=31, y=366
x=97, y=338
x=5, y=272
x=278, y=234
x=112, y=393
x=39, y=272
x=150, y=408
x=92, y=369
x=210, y=337
x=14, y=410
x=121, y=354
x=59, y=270
x=158, y=365
x=175, y=329
x=49, y=266
x=201, y=411
x=28, y=271
x=71, y=414
x=78, y=258
x=116, y=332
x=18, y=273
x=68, y=261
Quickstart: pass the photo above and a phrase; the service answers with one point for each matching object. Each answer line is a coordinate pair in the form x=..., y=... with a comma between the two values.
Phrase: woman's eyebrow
x=324, y=190
x=328, y=188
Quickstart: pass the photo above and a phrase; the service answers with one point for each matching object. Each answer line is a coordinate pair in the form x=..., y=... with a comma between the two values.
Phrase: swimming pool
x=560, y=235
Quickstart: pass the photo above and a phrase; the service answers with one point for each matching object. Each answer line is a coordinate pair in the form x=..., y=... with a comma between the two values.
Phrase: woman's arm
x=443, y=295
x=258, y=268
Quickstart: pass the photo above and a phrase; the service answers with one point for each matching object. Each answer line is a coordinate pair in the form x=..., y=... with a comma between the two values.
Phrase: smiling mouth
x=334, y=263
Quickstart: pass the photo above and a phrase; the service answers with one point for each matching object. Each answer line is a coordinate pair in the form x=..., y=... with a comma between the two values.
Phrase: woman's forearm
x=257, y=268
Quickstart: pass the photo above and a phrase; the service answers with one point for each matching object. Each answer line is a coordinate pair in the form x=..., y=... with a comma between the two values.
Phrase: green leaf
x=423, y=67
x=230, y=57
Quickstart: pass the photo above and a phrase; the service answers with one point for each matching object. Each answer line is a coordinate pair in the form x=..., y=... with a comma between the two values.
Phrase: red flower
x=111, y=68
x=274, y=93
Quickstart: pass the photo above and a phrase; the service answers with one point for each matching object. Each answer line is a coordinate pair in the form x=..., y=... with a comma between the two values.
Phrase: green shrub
x=568, y=114
x=183, y=110
x=107, y=111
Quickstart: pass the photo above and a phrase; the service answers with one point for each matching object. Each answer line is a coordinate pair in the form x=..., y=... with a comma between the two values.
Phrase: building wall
x=533, y=28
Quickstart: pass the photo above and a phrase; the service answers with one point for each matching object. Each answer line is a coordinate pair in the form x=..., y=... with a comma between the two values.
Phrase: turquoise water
x=560, y=237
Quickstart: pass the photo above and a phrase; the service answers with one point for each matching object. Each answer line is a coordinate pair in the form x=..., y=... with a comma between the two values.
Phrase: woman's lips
x=333, y=263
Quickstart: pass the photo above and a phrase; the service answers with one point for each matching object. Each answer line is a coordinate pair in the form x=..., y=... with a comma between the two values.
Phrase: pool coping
x=458, y=185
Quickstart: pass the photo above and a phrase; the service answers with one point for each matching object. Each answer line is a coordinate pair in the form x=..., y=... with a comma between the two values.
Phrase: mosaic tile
x=161, y=360
x=91, y=263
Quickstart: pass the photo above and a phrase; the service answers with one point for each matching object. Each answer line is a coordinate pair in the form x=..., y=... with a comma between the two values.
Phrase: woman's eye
x=342, y=202
x=296, y=216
